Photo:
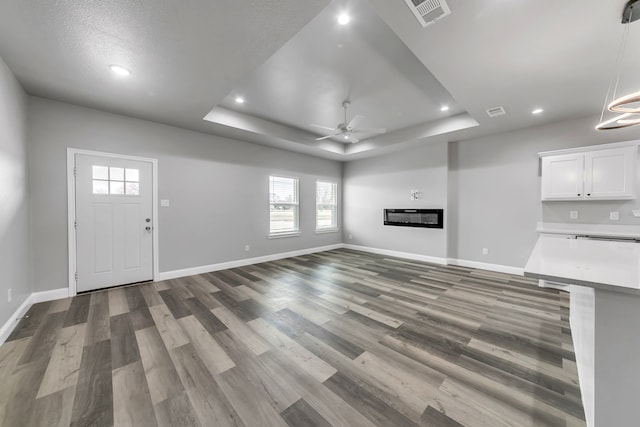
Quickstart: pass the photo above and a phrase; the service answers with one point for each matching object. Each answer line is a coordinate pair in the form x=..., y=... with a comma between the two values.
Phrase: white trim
x=11, y=323
x=34, y=298
x=517, y=271
x=71, y=208
x=51, y=295
x=443, y=261
x=590, y=148
x=283, y=235
x=167, y=275
x=407, y=255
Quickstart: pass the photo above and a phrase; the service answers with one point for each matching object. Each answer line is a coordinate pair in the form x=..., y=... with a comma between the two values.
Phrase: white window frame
x=292, y=232
x=334, y=226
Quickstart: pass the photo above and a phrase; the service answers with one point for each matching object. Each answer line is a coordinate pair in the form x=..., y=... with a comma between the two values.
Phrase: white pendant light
x=629, y=115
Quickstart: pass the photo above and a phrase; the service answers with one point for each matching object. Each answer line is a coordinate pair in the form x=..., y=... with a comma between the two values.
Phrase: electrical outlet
x=246, y=248
x=485, y=251
x=614, y=216
x=573, y=215
x=9, y=295
x=164, y=203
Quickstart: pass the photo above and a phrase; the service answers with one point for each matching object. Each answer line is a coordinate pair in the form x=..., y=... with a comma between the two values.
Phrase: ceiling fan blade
x=355, y=121
x=322, y=127
x=325, y=137
x=372, y=130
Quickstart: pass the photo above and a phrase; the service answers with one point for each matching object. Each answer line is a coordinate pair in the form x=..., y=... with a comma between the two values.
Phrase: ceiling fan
x=347, y=130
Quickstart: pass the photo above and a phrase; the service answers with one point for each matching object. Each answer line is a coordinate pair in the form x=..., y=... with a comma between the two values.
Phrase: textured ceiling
x=285, y=58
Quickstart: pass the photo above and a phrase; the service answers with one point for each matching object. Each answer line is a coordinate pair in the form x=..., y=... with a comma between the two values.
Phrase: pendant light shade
x=623, y=104
x=617, y=122
x=627, y=106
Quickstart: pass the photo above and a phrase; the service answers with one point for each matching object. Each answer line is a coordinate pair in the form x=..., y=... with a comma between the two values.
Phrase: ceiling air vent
x=428, y=11
x=496, y=111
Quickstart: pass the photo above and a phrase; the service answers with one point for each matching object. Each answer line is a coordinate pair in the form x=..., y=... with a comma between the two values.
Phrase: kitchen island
x=604, y=281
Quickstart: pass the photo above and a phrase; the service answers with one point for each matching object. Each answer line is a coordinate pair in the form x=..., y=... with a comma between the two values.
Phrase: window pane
x=326, y=217
x=326, y=205
x=284, y=218
x=283, y=189
x=116, y=174
x=100, y=172
x=132, y=175
x=116, y=187
x=325, y=193
x=283, y=196
x=100, y=187
x=132, y=189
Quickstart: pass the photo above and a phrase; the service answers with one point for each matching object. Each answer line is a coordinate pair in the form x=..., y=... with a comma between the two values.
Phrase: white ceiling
x=295, y=65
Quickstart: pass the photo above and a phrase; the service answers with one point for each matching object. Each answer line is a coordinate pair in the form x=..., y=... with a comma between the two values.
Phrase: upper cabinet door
x=563, y=177
x=610, y=174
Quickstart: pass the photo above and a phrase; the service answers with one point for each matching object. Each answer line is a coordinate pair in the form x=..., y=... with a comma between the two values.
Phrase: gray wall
x=370, y=185
x=14, y=207
x=495, y=191
x=218, y=188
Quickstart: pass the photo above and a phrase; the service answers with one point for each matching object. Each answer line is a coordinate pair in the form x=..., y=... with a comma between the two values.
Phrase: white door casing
x=114, y=220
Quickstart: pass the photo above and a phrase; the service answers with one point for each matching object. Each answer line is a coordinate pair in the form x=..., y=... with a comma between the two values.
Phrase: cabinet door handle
x=578, y=194
x=588, y=194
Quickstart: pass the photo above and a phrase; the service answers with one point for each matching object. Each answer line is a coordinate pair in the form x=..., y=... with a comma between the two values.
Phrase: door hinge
x=75, y=224
x=75, y=171
x=76, y=276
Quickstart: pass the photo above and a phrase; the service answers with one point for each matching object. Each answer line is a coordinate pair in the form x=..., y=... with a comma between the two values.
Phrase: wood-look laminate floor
x=339, y=338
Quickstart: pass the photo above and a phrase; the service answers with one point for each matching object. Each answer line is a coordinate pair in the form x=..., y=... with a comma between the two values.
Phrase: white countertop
x=608, y=265
x=613, y=230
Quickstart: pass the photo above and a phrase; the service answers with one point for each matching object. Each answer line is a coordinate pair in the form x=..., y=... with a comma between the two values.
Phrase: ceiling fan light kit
x=623, y=105
x=347, y=130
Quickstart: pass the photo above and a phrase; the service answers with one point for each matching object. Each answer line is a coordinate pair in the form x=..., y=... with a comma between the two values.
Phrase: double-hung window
x=326, y=206
x=283, y=206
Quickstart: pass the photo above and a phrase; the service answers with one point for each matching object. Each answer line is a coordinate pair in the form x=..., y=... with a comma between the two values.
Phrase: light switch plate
x=614, y=216
x=573, y=215
x=165, y=203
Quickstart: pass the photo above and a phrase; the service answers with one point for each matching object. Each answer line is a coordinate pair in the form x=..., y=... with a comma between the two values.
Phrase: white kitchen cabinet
x=603, y=174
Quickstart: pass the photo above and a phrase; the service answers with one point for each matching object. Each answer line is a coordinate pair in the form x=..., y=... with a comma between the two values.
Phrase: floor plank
x=338, y=338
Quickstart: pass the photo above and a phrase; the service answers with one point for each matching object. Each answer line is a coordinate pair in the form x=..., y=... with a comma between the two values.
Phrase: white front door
x=114, y=226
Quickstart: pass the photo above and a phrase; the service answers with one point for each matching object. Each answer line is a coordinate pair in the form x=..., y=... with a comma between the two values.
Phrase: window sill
x=283, y=235
x=328, y=230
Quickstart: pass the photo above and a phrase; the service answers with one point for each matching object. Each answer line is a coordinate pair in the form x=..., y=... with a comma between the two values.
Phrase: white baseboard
x=7, y=328
x=174, y=274
x=517, y=271
x=407, y=255
x=51, y=295
x=34, y=298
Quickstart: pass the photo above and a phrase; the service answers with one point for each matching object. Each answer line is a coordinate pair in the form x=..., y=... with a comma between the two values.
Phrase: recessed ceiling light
x=537, y=111
x=344, y=19
x=119, y=70
x=239, y=100
x=444, y=108
x=346, y=137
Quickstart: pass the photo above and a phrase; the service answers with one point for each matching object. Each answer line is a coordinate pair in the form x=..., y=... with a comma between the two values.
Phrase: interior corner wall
x=15, y=266
x=217, y=187
x=495, y=191
x=371, y=185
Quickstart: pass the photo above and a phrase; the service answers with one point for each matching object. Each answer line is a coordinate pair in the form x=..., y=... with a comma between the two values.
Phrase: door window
x=116, y=181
